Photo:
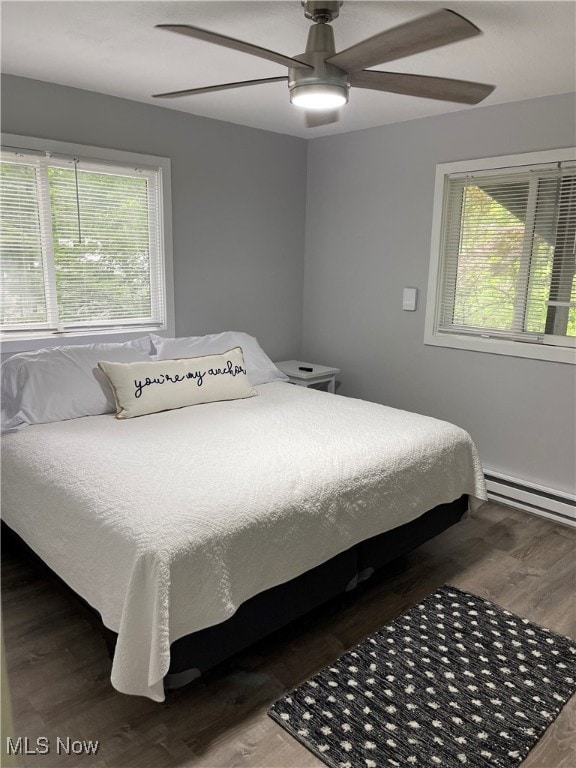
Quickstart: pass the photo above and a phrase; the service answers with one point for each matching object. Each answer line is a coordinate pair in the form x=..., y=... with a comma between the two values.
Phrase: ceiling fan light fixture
x=314, y=96
x=320, y=78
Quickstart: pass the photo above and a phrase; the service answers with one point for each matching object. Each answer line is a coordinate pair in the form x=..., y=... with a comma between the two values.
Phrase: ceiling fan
x=319, y=79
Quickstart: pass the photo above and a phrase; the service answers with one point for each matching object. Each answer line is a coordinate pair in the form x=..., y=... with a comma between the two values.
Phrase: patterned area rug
x=456, y=681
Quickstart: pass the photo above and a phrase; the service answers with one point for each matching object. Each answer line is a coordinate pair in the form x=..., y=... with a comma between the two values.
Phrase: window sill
x=552, y=353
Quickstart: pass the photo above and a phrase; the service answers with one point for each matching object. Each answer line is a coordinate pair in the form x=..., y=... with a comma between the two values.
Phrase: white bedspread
x=167, y=523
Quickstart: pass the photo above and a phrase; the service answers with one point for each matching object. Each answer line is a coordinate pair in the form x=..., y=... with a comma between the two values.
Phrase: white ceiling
x=528, y=49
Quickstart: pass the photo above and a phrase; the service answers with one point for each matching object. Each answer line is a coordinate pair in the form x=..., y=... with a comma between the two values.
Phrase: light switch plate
x=409, y=297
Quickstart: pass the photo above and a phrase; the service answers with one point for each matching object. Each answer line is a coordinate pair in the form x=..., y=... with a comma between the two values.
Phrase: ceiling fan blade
x=231, y=42
x=423, y=34
x=441, y=88
x=222, y=87
x=315, y=118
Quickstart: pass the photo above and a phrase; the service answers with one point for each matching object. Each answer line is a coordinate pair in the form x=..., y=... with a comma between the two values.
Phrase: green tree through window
x=509, y=262
x=79, y=244
x=101, y=248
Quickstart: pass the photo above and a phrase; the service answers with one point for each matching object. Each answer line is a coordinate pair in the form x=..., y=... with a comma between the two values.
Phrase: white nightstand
x=320, y=374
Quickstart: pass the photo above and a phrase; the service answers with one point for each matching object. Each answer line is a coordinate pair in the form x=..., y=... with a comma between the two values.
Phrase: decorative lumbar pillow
x=141, y=388
x=259, y=367
x=62, y=383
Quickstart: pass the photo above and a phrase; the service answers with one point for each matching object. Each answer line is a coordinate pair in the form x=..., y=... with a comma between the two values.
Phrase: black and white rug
x=456, y=681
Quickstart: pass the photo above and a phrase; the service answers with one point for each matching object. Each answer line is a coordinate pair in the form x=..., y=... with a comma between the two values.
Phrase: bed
x=193, y=532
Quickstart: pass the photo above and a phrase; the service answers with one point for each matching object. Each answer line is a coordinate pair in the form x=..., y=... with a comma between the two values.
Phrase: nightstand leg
x=332, y=385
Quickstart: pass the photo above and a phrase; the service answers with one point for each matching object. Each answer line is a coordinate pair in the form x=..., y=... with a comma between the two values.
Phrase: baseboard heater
x=530, y=497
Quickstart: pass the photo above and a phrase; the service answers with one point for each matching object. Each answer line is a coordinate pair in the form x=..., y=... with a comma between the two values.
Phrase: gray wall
x=368, y=225
x=238, y=203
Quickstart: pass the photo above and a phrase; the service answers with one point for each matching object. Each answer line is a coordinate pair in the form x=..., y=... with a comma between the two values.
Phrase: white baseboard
x=537, y=499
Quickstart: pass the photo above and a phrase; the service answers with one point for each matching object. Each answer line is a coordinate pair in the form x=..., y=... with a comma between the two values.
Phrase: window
x=82, y=242
x=503, y=256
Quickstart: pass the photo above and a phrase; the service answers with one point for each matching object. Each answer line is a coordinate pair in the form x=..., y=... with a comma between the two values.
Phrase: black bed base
x=269, y=611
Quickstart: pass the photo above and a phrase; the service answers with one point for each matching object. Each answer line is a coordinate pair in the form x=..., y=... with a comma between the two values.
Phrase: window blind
x=79, y=244
x=23, y=300
x=508, y=254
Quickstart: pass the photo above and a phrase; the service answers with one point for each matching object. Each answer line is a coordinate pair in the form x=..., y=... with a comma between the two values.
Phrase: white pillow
x=62, y=383
x=259, y=367
x=142, y=388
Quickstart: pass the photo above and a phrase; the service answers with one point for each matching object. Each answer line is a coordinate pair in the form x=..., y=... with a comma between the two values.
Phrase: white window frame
x=549, y=351
x=32, y=340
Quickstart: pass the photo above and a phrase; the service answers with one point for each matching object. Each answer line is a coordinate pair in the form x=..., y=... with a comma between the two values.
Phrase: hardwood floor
x=59, y=668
